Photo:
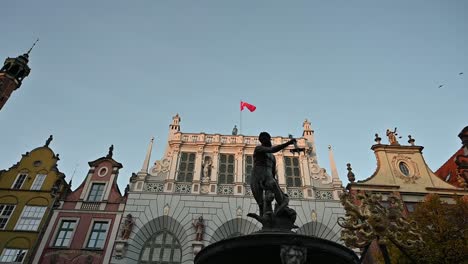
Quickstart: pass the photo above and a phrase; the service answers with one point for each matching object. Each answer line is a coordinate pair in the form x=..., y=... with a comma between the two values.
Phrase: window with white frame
x=96, y=193
x=97, y=238
x=30, y=218
x=38, y=181
x=6, y=210
x=13, y=255
x=226, y=169
x=292, y=172
x=186, y=167
x=162, y=247
x=19, y=181
x=64, y=234
x=248, y=168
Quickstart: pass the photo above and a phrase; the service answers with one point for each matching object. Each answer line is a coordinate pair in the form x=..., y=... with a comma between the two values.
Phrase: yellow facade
x=28, y=191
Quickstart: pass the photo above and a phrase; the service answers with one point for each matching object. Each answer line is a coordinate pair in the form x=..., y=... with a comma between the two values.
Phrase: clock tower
x=12, y=74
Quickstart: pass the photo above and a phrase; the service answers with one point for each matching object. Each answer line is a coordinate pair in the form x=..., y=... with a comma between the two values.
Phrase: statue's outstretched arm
x=274, y=149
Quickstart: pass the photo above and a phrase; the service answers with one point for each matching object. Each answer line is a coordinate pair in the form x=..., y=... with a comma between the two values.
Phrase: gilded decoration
x=413, y=173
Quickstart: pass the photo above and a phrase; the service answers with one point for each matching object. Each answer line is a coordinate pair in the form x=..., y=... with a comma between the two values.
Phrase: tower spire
x=334, y=170
x=174, y=127
x=34, y=44
x=145, y=166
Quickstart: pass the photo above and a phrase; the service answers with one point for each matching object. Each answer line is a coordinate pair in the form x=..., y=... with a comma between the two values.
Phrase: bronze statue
x=265, y=187
x=264, y=170
x=48, y=141
x=234, y=131
x=111, y=150
x=127, y=227
x=199, y=228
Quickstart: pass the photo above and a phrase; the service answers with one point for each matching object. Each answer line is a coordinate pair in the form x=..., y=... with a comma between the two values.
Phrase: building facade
x=84, y=227
x=401, y=169
x=12, y=74
x=198, y=193
x=401, y=172
x=455, y=169
x=28, y=192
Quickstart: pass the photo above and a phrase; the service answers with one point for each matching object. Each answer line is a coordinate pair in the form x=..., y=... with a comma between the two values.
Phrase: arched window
x=404, y=168
x=162, y=248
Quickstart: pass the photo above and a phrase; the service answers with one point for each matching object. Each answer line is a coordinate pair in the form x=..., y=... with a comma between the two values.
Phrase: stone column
x=214, y=171
x=239, y=172
x=169, y=186
x=280, y=170
x=197, y=170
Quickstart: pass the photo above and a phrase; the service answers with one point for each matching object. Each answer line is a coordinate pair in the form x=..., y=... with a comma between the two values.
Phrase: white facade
x=206, y=175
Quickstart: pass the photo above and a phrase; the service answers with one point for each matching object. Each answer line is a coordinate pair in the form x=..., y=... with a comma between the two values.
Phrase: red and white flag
x=249, y=106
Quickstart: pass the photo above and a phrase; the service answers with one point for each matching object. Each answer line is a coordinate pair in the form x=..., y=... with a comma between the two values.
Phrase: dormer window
x=19, y=181
x=38, y=181
x=96, y=192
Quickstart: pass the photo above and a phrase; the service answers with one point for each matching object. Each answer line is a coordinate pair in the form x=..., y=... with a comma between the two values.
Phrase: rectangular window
x=248, y=168
x=226, y=169
x=37, y=184
x=292, y=171
x=98, y=235
x=96, y=193
x=6, y=210
x=186, y=167
x=410, y=206
x=30, y=218
x=19, y=181
x=64, y=234
x=10, y=255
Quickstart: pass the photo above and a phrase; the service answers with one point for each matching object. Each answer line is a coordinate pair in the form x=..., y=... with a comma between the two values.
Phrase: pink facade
x=84, y=228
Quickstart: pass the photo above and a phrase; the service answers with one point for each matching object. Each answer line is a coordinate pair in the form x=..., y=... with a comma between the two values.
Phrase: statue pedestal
x=275, y=248
x=120, y=248
x=197, y=247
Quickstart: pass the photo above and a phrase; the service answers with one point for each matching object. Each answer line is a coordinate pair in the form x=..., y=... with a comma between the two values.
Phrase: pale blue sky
x=115, y=72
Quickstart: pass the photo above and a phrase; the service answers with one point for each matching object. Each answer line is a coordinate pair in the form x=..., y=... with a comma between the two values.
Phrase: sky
x=115, y=72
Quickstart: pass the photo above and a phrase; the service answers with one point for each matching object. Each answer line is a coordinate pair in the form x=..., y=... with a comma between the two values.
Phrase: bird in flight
x=440, y=86
x=460, y=73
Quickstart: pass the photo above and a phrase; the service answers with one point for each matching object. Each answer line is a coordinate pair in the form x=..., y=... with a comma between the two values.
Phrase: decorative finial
x=377, y=139
x=351, y=177
x=111, y=149
x=411, y=140
x=48, y=141
x=32, y=46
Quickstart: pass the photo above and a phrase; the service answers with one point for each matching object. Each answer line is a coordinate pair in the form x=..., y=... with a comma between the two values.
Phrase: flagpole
x=240, y=118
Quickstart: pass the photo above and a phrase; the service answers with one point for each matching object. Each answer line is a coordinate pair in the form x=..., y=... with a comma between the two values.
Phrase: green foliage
x=444, y=229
